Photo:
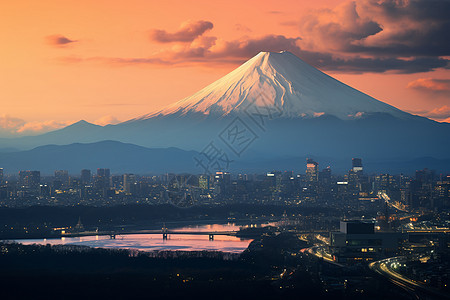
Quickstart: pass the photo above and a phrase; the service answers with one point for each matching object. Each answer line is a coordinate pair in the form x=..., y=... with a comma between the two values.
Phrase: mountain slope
x=282, y=81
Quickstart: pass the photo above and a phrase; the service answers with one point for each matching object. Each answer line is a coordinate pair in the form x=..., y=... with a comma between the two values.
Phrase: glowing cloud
x=432, y=85
x=107, y=120
x=187, y=32
x=16, y=126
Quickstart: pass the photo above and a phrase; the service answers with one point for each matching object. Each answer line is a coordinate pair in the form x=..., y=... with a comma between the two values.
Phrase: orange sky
x=63, y=61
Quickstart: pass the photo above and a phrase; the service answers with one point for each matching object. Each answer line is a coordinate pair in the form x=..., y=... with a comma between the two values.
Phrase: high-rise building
x=312, y=171
x=102, y=179
x=1, y=175
x=44, y=190
x=325, y=183
x=29, y=179
x=103, y=172
x=222, y=182
x=325, y=176
x=357, y=165
x=422, y=190
x=129, y=180
x=62, y=176
x=203, y=182
x=85, y=176
x=311, y=180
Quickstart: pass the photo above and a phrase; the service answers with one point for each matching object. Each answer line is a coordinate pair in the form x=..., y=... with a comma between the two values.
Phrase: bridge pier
x=211, y=237
x=112, y=236
x=164, y=236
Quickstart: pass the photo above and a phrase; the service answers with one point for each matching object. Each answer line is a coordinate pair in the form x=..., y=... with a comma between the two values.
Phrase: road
x=388, y=200
x=419, y=290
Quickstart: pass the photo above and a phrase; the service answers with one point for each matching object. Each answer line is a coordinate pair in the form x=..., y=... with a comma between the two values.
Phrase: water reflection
x=150, y=242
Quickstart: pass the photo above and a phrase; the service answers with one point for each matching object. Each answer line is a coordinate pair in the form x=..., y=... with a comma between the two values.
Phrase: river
x=152, y=242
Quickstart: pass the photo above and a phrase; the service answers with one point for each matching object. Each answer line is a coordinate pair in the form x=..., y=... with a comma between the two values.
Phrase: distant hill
x=119, y=157
x=129, y=158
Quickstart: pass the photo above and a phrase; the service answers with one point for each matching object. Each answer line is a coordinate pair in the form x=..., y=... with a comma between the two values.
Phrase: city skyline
x=225, y=149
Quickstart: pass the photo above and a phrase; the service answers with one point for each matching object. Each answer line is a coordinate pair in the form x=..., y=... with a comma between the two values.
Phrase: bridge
x=164, y=232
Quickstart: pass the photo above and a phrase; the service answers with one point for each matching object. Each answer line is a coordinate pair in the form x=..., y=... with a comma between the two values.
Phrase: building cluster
x=358, y=241
x=315, y=187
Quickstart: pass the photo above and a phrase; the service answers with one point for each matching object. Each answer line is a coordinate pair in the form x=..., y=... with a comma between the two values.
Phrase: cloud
x=241, y=27
x=433, y=85
x=345, y=30
x=107, y=120
x=248, y=47
x=210, y=51
x=359, y=64
x=394, y=28
x=336, y=28
x=58, y=40
x=187, y=32
x=10, y=126
x=42, y=126
x=236, y=52
x=440, y=113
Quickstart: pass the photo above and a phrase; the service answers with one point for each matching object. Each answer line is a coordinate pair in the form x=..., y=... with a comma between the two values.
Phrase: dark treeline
x=273, y=267
x=61, y=215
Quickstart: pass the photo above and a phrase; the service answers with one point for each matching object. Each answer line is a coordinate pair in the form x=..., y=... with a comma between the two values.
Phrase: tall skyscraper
x=357, y=165
x=102, y=179
x=103, y=172
x=29, y=179
x=1, y=175
x=129, y=181
x=312, y=171
x=85, y=176
x=63, y=177
x=311, y=179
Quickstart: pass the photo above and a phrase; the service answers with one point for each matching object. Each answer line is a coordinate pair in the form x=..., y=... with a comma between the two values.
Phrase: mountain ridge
x=282, y=81
x=120, y=157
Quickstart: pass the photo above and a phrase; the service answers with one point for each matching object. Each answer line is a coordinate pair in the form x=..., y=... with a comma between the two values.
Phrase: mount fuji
x=281, y=81
x=288, y=109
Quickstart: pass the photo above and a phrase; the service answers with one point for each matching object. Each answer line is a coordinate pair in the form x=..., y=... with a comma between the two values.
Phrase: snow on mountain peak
x=282, y=81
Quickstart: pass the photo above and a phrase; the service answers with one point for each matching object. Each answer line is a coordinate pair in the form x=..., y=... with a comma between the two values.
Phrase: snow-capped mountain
x=280, y=81
x=304, y=112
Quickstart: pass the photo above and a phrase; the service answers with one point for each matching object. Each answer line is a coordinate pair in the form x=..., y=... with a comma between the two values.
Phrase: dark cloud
x=209, y=51
x=380, y=65
x=188, y=32
x=387, y=27
x=58, y=40
x=248, y=47
x=355, y=37
x=336, y=28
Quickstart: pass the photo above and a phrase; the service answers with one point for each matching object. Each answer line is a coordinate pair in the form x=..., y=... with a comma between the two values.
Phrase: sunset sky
x=109, y=61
